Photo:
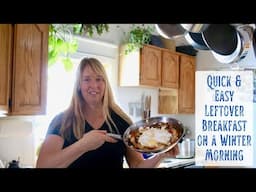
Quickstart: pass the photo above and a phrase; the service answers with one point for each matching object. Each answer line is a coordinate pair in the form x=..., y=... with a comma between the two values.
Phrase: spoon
x=116, y=136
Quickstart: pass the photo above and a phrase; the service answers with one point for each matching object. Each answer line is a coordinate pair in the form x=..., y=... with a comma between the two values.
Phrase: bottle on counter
x=14, y=164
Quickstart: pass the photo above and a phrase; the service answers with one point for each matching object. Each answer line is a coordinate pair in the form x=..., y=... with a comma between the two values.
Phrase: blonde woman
x=76, y=138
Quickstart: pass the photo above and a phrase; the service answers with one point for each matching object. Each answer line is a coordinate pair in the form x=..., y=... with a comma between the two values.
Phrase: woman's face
x=92, y=86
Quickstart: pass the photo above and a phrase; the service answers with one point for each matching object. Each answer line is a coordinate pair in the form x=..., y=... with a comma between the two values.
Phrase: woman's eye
x=99, y=79
x=86, y=80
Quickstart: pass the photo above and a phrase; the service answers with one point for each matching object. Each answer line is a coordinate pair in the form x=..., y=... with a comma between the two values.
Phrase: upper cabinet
x=172, y=72
x=23, y=68
x=170, y=69
x=181, y=100
x=186, y=91
x=150, y=66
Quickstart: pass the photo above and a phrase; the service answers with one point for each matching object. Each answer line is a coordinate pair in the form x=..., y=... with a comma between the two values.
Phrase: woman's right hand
x=95, y=138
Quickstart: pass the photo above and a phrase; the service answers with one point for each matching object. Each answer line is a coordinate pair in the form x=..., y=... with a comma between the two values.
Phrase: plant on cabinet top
x=137, y=37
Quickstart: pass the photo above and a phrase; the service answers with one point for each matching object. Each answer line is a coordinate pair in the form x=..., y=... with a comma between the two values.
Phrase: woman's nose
x=93, y=83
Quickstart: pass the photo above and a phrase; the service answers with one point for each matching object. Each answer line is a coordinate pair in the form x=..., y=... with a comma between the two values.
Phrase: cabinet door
x=5, y=65
x=150, y=66
x=187, y=85
x=170, y=70
x=29, y=69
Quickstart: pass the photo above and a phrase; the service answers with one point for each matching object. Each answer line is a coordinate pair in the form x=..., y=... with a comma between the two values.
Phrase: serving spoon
x=115, y=136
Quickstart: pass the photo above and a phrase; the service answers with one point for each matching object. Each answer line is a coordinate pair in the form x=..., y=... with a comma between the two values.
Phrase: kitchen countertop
x=172, y=163
x=176, y=163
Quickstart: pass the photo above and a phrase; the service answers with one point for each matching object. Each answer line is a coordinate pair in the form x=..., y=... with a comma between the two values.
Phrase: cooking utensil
x=115, y=136
x=254, y=41
x=169, y=31
x=147, y=107
x=196, y=40
x=186, y=149
x=195, y=28
x=228, y=43
x=174, y=124
x=221, y=38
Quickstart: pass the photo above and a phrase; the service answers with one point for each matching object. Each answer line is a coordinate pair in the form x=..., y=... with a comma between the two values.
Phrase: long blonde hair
x=73, y=119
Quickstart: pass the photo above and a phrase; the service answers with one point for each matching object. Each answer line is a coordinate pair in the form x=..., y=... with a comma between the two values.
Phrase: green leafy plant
x=62, y=41
x=61, y=44
x=91, y=29
x=137, y=37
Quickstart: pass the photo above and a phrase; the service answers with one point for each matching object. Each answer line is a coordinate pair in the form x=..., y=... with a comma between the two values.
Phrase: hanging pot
x=169, y=31
x=254, y=41
x=196, y=40
x=229, y=44
x=195, y=28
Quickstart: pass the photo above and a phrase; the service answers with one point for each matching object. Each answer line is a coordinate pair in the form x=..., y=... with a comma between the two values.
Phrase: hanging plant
x=91, y=29
x=137, y=37
x=62, y=42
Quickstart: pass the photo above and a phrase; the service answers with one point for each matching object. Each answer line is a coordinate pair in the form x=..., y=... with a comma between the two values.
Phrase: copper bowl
x=174, y=126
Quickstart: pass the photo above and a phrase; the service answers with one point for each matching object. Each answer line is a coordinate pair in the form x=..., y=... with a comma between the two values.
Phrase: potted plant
x=137, y=37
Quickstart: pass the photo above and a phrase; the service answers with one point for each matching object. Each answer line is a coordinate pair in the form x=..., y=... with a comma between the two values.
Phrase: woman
x=77, y=137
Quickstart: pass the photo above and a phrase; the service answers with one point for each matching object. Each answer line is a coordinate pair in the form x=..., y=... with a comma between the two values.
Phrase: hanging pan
x=169, y=31
x=254, y=41
x=228, y=43
x=195, y=28
x=196, y=40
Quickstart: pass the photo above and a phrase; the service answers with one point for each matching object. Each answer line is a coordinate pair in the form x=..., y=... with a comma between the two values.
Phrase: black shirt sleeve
x=54, y=127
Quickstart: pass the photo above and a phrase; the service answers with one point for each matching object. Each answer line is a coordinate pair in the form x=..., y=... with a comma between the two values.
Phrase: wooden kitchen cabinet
x=170, y=69
x=5, y=65
x=23, y=68
x=150, y=66
x=181, y=100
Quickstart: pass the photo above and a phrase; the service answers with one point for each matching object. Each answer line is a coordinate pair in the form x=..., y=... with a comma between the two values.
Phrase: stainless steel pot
x=186, y=148
x=196, y=40
x=228, y=43
x=254, y=42
x=169, y=31
x=195, y=28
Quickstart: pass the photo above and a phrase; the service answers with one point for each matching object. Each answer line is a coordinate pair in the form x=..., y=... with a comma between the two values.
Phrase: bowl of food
x=154, y=135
